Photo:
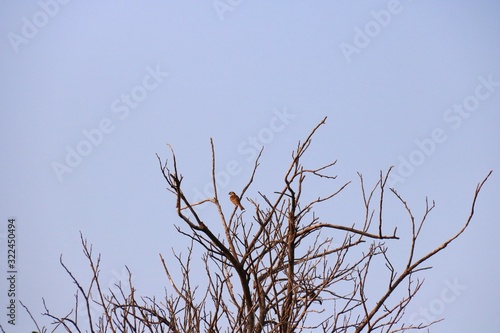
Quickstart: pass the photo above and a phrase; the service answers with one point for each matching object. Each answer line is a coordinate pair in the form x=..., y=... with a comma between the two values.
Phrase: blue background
x=390, y=75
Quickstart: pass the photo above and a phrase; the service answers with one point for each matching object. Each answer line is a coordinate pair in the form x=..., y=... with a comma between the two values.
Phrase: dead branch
x=282, y=270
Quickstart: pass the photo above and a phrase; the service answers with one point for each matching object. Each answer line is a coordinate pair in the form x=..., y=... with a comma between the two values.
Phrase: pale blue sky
x=261, y=72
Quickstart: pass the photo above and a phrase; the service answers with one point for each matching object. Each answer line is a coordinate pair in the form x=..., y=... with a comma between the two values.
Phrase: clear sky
x=90, y=91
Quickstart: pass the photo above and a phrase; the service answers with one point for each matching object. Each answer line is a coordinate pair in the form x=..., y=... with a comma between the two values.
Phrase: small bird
x=235, y=200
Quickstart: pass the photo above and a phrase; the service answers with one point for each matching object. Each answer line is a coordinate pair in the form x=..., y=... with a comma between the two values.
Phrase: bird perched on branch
x=235, y=200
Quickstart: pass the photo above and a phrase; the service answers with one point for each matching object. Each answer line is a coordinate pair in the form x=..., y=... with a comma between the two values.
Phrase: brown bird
x=235, y=200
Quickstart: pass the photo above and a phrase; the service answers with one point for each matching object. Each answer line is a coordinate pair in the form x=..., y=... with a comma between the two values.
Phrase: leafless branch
x=282, y=269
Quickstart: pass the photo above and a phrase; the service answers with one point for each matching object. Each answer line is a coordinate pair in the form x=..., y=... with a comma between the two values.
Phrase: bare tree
x=279, y=269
